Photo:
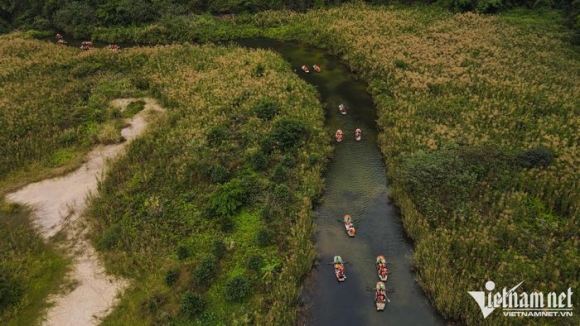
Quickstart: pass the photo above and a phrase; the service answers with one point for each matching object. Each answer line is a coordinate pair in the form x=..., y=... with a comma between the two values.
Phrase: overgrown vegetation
x=30, y=269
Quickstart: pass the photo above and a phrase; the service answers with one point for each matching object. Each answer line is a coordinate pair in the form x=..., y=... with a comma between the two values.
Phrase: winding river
x=356, y=184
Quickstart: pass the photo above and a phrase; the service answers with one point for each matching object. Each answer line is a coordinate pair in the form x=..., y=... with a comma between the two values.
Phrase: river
x=356, y=184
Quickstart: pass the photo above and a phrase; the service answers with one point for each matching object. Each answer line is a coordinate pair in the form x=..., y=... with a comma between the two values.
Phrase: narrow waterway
x=356, y=184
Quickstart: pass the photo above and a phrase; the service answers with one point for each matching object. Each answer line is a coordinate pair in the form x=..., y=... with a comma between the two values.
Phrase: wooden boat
x=338, y=135
x=305, y=69
x=380, y=296
x=339, y=269
x=316, y=68
x=382, y=270
x=62, y=41
x=350, y=230
x=358, y=134
x=342, y=108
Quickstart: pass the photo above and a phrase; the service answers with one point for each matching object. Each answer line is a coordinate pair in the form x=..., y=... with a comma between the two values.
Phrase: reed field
x=479, y=119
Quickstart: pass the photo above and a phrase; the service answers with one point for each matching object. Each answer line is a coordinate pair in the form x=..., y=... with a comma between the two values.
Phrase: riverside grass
x=479, y=118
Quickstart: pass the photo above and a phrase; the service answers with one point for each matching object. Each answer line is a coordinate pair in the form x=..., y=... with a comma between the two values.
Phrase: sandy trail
x=58, y=203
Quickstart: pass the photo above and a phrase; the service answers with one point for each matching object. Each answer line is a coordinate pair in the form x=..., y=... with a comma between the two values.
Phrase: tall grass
x=194, y=180
x=30, y=269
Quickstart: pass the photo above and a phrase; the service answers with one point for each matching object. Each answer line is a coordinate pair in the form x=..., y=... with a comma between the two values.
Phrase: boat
x=380, y=296
x=338, y=135
x=339, y=269
x=305, y=69
x=382, y=270
x=316, y=68
x=62, y=41
x=350, y=230
x=358, y=134
x=342, y=108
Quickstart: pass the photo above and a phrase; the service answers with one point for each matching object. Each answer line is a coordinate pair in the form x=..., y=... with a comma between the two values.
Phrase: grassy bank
x=210, y=212
x=30, y=269
x=479, y=119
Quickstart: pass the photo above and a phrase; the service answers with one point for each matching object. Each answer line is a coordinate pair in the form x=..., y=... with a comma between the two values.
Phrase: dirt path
x=58, y=204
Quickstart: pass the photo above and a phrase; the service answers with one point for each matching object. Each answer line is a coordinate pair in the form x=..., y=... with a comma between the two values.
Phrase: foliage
x=288, y=133
x=171, y=277
x=133, y=108
x=536, y=157
x=266, y=109
x=192, y=304
x=205, y=272
x=237, y=288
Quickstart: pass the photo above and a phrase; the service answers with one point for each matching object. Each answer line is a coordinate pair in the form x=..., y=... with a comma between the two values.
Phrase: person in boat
x=338, y=135
x=352, y=231
x=384, y=271
x=358, y=133
x=59, y=36
x=305, y=69
x=342, y=108
x=380, y=298
x=316, y=68
x=61, y=41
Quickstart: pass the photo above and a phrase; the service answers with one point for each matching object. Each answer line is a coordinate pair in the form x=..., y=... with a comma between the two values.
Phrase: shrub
x=264, y=237
x=219, y=174
x=255, y=263
x=10, y=292
x=109, y=135
x=218, y=248
x=283, y=193
x=280, y=174
x=259, y=70
x=535, y=157
x=192, y=304
x=267, y=109
x=182, y=252
x=205, y=271
x=109, y=238
x=237, y=288
x=266, y=145
x=289, y=133
x=171, y=277
x=228, y=198
x=216, y=135
x=288, y=161
x=258, y=160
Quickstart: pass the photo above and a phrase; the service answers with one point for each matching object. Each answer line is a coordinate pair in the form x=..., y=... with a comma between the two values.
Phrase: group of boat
x=306, y=70
x=382, y=272
x=85, y=45
x=339, y=135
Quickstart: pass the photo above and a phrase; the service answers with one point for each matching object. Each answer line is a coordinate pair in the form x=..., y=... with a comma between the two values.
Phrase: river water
x=356, y=184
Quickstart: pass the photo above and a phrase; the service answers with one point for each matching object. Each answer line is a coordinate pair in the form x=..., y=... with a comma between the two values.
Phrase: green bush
x=171, y=277
x=219, y=174
x=288, y=133
x=264, y=237
x=218, y=248
x=109, y=238
x=216, y=135
x=182, y=252
x=205, y=271
x=283, y=193
x=10, y=292
x=267, y=109
x=237, y=288
x=259, y=161
x=280, y=174
x=535, y=157
x=228, y=198
x=255, y=263
x=192, y=304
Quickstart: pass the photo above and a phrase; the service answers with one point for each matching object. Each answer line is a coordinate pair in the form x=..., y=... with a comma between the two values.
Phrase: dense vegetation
x=30, y=269
x=209, y=213
x=79, y=18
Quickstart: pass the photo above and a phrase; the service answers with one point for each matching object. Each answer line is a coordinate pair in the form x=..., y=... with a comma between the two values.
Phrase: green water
x=356, y=184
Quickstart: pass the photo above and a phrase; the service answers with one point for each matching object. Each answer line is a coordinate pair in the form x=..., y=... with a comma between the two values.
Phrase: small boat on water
x=358, y=134
x=380, y=296
x=350, y=230
x=316, y=68
x=338, y=135
x=342, y=108
x=382, y=270
x=305, y=69
x=339, y=269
